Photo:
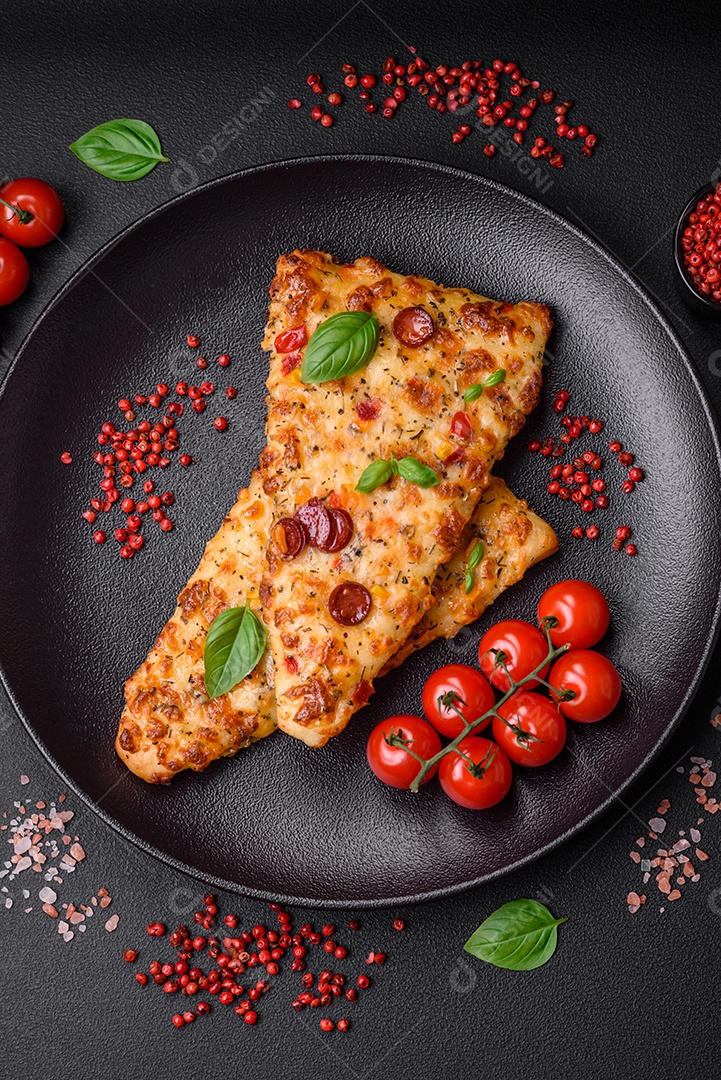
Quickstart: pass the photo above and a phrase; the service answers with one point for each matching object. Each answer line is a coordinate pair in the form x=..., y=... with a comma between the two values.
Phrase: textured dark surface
x=622, y=995
x=381, y=844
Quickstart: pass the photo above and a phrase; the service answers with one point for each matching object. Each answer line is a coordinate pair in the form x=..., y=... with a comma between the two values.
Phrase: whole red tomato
x=480, y=782
x=524, y=647
x=31, y=212
x=14, y=272
x=393, y=764
x=594, y=681
x=456, y=693
x=531, y=729
x=581, y=610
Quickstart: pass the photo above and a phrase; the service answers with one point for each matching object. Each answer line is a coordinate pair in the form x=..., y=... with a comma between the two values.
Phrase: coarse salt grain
x=112, y=923
x=37, y=842
x=672, y=863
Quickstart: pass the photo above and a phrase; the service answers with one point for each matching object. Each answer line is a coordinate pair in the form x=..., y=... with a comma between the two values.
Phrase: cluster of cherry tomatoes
x=31, y=213
x=529, y=728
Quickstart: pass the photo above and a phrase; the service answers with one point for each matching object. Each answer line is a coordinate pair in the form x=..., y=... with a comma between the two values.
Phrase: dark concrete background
x=624, y=995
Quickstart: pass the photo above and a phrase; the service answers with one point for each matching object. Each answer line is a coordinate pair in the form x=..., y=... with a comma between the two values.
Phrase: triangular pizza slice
x=412, y=398
x=169, y=724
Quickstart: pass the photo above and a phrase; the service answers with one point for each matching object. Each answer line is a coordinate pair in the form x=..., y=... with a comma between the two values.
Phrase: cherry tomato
x=594, y=680
x=454, y=689
x=34, y=214
x=524, y=646
x=14, y=272
x=581, y=610
x=392, y=764
x=534, y=732
x=481, y=791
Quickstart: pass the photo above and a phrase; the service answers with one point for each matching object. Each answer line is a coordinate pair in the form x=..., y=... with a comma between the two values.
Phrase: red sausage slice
x=317, y=522
x=413, y=326
x=342, y=530
x=349, y=603
x=289, y=537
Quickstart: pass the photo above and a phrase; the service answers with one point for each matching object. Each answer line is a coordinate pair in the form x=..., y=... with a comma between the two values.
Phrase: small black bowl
x=697, y=301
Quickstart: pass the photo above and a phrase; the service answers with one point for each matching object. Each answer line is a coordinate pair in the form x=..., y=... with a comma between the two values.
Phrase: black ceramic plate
x=281, y=820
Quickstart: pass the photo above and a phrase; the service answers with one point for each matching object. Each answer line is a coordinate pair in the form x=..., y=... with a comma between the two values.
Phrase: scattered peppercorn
x=447, y=88
x=701, y=244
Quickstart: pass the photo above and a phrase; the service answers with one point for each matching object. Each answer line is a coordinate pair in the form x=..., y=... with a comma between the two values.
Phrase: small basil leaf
x=476, y=555
x=377, y=473
x=519, y=936
x=414, y=471
x=496, y=378
x=235, y=643
x=469, y=582
x=394, y=465
x=473, y=392
x=342, y=345
x=120, y=149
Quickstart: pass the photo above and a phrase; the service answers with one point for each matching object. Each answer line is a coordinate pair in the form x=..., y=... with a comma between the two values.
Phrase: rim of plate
x=701, y=667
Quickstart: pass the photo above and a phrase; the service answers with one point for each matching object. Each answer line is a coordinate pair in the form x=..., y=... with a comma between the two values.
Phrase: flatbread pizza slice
x=170, y=725
x=504, y=539
x=169, y=722
x=412, y=387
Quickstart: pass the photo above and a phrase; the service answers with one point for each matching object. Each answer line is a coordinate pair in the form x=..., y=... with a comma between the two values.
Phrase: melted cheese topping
x=169, y=724
x=514, y=539
x=318, y=445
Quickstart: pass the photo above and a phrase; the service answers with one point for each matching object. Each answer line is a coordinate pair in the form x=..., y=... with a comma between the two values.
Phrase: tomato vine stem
x=23, y=216
x=428, y=763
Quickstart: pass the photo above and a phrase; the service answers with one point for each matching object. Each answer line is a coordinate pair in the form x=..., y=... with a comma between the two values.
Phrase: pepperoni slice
x=342, y=530
x=317, y=522
x=413, y=326
x=349, y=603
x=289, y=537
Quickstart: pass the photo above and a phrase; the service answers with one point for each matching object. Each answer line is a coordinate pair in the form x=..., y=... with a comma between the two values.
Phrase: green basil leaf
x=342, y=345
x=476, y=555
x=412, y=470
x=496, y=378
x=377, y=473
x=120, y=149
x=473, y=392
x=394, y=465
x=519, y=936
x=469, y=582
x=235, y=643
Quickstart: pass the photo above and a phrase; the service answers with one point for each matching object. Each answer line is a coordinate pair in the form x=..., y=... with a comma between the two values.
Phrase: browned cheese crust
x=169, y=723
x=514, y=540
x=318, y=446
